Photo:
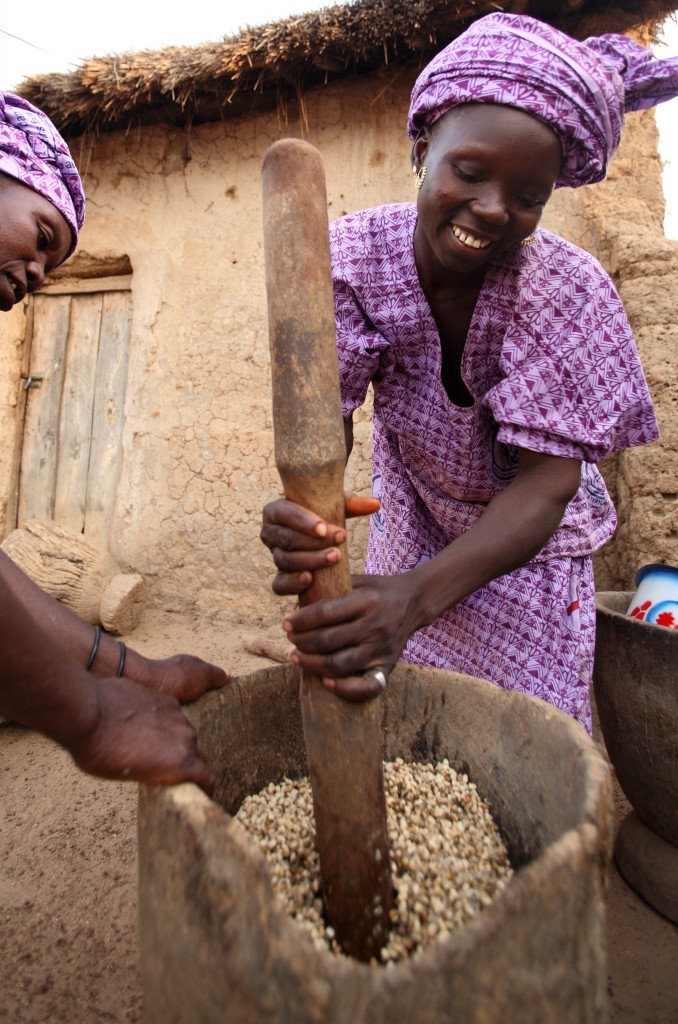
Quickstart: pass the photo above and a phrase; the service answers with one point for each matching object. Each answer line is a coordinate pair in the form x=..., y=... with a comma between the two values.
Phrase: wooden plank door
x=39, y=451
x=72, y=439
x=105, y=458
x=75, y=414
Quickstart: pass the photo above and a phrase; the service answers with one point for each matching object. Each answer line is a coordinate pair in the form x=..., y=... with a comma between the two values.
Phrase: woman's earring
x=529, y=240
x=419, y=176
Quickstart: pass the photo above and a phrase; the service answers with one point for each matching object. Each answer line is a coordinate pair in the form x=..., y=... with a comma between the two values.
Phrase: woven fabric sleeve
x=572, y=381
x=360, y=345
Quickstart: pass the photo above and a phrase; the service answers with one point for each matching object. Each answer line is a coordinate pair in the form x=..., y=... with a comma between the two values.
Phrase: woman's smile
x=468, y=239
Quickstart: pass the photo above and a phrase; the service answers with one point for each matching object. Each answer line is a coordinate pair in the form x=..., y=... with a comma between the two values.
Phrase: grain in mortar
x=448, y=860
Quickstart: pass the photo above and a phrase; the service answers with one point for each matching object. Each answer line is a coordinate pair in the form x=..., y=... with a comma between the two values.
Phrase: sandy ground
x=68, y=930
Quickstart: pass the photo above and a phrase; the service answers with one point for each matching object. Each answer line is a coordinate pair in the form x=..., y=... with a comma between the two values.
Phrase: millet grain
x=448, y=859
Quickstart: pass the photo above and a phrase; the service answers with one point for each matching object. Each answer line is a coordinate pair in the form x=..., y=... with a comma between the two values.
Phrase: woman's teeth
x=470, y=240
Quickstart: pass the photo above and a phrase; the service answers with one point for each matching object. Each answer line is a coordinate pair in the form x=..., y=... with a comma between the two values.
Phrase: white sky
x=55, y=37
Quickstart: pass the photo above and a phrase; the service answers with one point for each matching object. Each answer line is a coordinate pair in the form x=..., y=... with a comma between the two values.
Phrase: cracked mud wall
x=185, y=208
x=621, y=222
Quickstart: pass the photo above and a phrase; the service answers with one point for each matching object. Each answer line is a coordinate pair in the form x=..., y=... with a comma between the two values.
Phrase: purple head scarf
x=581, y=90
x=33, y=152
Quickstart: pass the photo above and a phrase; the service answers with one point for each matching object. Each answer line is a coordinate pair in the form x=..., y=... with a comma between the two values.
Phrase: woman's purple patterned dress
x=551, y=363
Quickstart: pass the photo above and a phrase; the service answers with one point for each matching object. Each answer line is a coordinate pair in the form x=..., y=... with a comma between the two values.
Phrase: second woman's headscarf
x=580, y=89
x=33, y=152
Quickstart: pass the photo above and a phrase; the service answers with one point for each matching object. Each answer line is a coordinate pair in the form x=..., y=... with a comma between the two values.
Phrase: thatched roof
x=283, y=60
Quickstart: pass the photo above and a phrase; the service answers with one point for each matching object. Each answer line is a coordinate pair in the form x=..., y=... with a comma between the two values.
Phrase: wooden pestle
x=343, y=739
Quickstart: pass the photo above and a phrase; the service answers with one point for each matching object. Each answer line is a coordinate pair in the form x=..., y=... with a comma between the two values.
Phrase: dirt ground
x=68, y=930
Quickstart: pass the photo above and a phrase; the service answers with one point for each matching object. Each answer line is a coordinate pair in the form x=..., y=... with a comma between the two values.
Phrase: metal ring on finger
x=378, y=675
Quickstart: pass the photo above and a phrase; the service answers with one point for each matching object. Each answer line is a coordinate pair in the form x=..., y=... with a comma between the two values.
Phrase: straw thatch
x=283, y=60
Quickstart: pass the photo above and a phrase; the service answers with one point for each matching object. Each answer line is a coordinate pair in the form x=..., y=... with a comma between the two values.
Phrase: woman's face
x=490, y=172
x=34, y=239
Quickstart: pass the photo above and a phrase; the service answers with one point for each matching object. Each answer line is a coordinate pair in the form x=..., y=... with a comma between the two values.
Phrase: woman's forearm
x=112, y=728
x=72, y=633
x=68, y=630
x=184, y=676
x=515, y=526
x=40, y=686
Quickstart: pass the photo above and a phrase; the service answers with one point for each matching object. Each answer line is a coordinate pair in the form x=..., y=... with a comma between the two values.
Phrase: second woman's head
x=42, y=204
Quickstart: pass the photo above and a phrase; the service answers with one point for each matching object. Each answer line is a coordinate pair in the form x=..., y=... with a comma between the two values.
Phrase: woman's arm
x=369, y=627
x=182, y=676
x=113, y=728
x=515, y=526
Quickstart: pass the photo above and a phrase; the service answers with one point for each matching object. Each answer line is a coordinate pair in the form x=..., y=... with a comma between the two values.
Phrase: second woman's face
x=490, y=172
x=34, y=239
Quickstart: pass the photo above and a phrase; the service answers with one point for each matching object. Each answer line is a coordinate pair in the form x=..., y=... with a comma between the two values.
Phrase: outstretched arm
x=113, y=728
x=182, y=676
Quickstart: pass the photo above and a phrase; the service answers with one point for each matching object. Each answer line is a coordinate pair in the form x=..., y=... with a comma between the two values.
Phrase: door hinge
x=32, y=380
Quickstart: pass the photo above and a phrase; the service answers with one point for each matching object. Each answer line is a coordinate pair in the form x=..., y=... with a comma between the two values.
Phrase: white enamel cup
x=656, y=596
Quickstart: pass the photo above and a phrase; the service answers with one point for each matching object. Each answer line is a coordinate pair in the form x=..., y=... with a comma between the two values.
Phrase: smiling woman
x=503, y=369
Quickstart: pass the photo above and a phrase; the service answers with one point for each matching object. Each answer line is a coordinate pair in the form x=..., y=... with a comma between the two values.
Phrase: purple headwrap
x=581, y=90
x=33, y=152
